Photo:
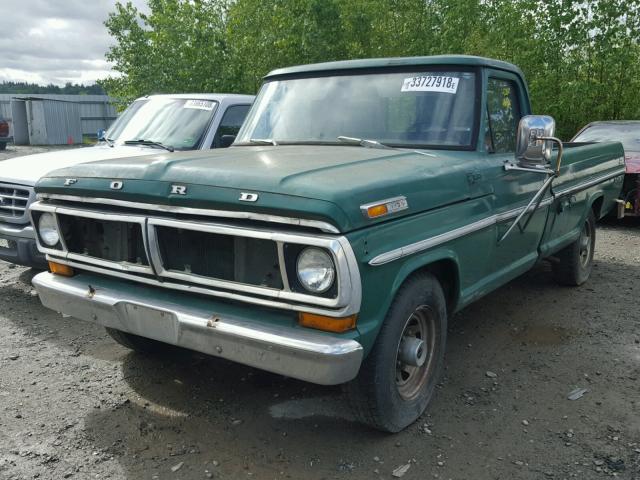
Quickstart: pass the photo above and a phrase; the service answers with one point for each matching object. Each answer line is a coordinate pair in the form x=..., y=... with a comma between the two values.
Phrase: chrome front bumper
x=17, y=230
x=295, y=352
x=22, y=248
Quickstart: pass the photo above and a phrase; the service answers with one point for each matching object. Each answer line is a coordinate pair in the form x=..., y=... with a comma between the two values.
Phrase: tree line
x=581, y=59
x=69, y=88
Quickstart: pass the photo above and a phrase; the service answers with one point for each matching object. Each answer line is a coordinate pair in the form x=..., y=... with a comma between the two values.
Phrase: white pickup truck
x=165, y=122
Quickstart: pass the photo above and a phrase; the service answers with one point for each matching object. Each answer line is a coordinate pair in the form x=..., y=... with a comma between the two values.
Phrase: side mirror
x=101, y=133
x=531, y=151
x=227, y=140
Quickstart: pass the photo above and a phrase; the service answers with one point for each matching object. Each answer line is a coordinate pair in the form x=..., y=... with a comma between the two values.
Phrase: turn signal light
x=377, y=211
x=384, y=207
x=328, y=324
x=60, y=269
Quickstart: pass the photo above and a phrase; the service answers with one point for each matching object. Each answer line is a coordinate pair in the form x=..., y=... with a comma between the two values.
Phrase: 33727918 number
x=430, y=83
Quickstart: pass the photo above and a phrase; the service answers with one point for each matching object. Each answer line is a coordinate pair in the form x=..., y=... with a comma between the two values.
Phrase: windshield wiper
x=108, y=141
x=363, y=142
x=266, y=141
x=149, y=143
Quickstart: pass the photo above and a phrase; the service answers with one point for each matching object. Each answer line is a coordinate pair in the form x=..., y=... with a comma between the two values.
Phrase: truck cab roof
x=218, y=97
x=370, y=63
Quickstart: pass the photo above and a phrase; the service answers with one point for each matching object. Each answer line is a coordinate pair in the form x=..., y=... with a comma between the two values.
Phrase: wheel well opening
x=446, y=271
x=596, y=206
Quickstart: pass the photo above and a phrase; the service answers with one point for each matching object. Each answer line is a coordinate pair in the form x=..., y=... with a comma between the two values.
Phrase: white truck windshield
x=178, y=123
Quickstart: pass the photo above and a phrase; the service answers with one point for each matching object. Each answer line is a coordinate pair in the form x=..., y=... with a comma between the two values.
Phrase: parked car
x=363, y=203
x=5, y=133
x=628, y=133
x=158, y=122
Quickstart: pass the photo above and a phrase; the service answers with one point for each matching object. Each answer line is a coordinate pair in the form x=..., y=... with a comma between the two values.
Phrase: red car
x=628, y=133
x=4, y=134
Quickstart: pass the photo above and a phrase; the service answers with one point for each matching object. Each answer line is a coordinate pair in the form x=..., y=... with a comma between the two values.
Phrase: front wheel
x=575, y=262
x=398, y=378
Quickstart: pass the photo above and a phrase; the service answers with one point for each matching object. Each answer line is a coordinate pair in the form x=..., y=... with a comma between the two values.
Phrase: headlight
x=316, y=271
x=48, y=229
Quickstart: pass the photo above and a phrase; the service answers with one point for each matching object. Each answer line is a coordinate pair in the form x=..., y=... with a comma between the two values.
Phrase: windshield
x=627, y=134
x=420, y=109
x=180, y=123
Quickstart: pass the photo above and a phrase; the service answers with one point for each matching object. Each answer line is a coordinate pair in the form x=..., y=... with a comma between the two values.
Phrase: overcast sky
x=55, y=41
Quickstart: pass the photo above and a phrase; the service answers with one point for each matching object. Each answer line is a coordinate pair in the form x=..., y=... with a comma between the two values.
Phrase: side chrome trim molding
x=431, y=242
x=317, y=224
x=434, y=241
x=590, y=183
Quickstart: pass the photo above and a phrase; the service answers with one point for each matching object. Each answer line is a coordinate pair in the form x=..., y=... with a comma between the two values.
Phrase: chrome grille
x=113, y=241
x=192, y=250
x=246, y=260
x=14, y=202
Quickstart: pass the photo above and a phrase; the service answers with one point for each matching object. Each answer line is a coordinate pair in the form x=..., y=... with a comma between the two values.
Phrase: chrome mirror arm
x=537, y=198
x=512, y=166
x=558, y=142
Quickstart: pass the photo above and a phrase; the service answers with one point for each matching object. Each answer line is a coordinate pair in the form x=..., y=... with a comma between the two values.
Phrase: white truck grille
x=14, y=202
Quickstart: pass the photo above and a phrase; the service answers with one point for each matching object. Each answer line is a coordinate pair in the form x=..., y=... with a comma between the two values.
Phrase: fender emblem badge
x=179, y=189
x=70, y=181
x=248, y=197
x=116, y=185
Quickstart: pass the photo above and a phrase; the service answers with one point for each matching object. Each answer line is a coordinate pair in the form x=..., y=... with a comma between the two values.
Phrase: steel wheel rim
x=585, y=245
x=410, y=379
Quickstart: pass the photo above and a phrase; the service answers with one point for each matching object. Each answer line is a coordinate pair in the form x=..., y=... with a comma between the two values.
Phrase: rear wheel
x=3, y=146
x=136, y=342
x=575, y=262
x=398, y=378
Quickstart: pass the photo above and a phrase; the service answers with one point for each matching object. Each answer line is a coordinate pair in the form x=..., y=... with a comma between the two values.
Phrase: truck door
x=506, y=103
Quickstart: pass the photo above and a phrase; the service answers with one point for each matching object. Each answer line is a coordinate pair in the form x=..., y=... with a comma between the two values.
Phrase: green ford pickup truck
x=362, y=204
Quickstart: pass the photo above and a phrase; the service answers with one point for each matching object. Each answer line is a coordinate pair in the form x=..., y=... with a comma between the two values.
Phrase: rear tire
x=3, y=146
x=575, y=262
x=389, y=393
x=136, y=342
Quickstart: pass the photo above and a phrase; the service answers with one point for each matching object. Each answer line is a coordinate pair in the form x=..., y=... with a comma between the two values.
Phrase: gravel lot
x=73, y=404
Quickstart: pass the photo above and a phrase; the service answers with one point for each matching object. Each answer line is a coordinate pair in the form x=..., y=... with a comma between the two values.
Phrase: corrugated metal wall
x=96, y=111
x=62, y=120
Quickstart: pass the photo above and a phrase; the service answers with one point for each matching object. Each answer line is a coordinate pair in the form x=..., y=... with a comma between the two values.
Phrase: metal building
x=56, y=119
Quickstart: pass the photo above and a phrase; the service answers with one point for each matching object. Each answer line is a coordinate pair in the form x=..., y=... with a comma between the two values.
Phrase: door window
x=503, y=115
x=230, y=123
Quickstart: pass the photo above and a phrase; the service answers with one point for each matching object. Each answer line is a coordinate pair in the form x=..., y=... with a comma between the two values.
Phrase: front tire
x=575, y=262
x=398, y=378
x=135, y=342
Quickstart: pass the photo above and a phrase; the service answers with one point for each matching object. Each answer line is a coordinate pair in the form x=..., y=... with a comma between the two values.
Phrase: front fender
x=376, y=298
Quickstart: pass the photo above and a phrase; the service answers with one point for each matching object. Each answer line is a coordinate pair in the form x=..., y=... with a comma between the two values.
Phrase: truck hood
x=27, y=170
x=327, y=183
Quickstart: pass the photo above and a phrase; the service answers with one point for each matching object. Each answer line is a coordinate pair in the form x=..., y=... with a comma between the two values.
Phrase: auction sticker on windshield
x=199, y=104
x=430, y=83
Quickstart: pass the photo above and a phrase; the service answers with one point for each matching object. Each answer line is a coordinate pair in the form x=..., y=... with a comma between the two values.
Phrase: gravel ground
x=73, y=404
